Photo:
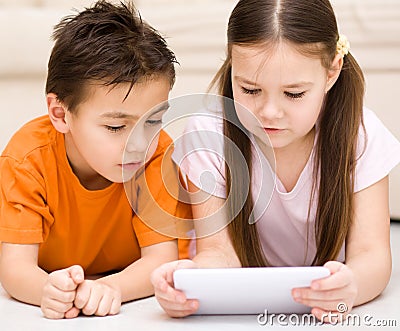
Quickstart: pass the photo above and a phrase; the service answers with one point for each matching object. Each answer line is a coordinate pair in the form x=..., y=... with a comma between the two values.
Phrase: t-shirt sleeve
x=23, y=207
x=161, y=213
x=378, y=152
x=199, y=153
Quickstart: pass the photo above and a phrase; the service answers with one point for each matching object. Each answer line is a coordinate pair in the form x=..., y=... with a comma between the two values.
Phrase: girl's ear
x=57, y=113
x=334, y=72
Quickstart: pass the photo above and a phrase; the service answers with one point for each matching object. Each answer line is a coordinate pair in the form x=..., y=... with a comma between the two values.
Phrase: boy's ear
x=57, y=113
x=334, y=72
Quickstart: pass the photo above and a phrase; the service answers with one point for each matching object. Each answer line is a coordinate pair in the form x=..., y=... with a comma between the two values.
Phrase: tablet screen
x=246, y=290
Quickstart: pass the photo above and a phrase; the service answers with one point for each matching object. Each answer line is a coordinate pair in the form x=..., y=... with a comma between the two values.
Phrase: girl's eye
x=153, y=122
x=115, y=129
x=250, y=91
x=295, y=95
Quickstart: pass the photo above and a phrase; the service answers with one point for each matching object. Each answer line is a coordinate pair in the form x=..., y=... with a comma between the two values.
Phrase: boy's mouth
x=129, y=166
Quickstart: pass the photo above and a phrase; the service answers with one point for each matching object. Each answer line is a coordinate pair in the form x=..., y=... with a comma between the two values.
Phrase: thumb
x=76, y=273
x=334, y=266
x=185, y=264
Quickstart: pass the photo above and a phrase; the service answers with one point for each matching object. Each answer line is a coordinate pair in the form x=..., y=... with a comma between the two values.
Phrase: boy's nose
x=137, y=143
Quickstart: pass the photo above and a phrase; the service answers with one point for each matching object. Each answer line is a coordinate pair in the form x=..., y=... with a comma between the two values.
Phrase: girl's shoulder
x=205, y=120
x=374, y=133
x=378, y=151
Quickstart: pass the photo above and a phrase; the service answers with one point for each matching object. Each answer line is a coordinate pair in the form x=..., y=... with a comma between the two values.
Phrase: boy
x=64, y=213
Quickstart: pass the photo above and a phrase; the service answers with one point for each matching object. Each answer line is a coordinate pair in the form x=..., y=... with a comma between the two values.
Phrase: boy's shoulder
x=33, y=135
x=164, y=143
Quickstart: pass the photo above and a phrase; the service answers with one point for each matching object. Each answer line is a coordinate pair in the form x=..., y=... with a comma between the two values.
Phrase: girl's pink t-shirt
x=281, y=216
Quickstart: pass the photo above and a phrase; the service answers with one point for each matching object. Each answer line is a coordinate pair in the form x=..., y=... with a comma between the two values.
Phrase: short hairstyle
x=106, y=43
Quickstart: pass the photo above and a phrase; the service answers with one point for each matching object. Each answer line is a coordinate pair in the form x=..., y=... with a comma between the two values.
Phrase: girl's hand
x=174, y=302
x=59, y=293
x=330, y=298
x=94, y=297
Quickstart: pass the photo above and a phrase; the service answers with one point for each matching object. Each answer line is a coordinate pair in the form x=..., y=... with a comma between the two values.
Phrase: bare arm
x=134, y=281
x=214, y=246
x=214, y=250
x=22, y=278
x=19, y=273
x=368, y=246
x=368, y=258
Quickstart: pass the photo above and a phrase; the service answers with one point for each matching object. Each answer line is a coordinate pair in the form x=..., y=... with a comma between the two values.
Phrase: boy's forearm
x=23, y=281
x=372, y=272
x=134, y=281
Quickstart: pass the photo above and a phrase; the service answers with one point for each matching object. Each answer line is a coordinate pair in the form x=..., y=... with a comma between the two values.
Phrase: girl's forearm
x=217, y=258
x=372, y=270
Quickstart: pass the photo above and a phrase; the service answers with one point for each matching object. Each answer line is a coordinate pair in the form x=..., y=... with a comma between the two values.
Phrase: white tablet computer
x=246, y=290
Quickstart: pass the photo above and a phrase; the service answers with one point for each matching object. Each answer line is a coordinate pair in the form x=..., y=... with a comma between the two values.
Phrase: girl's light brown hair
x=309, y=25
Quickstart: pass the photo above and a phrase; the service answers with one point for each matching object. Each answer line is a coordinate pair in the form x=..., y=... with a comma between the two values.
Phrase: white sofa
x=195, y=30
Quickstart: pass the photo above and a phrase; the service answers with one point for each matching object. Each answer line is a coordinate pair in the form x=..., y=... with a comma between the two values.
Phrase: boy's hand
x=174, y=302
x=94, y=297
x=59, y=293
x=330, y=298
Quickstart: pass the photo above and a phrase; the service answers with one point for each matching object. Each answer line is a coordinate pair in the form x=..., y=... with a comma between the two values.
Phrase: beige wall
x=195, y=30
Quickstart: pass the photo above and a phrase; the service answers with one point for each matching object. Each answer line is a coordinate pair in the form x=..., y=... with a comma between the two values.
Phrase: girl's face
x=100, y=141
x=282, y=88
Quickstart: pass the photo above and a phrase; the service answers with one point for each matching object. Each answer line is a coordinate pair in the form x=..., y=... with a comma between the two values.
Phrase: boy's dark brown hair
x=107, y=44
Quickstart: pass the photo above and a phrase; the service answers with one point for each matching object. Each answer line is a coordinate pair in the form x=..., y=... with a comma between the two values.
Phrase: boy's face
x=97, y=143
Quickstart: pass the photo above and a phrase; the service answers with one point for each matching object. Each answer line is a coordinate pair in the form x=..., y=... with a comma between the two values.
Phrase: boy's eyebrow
x=119, y=114
x=293, y=85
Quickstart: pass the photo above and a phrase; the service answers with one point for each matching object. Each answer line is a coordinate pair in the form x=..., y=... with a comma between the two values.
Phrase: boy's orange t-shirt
x=42, y=202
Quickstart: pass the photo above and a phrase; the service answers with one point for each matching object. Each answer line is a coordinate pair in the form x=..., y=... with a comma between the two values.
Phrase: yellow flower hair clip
x=343, y=45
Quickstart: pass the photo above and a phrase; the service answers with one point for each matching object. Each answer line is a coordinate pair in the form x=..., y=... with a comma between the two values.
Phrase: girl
x=289, y=67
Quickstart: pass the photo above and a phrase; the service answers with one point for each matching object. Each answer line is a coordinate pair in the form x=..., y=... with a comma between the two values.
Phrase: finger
x=181, y=264
x=330, y=306
x=115, y=307
x=163, y=274
x=328, y=316
x=55, y=305
x=172, y=295
x=183, y=312
x=62, y=296
x=189, y=305
x=83, y=294
x=93, y=302
x=62, y=280
x=307, y=293
x=104, y=305
x=72, y=313
x=52, y=314
x=158, y=279
x=77, y=274
x=337, y=280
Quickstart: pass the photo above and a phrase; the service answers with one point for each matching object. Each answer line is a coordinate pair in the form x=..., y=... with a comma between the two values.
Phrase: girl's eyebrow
x=243, y=80
x=298, y=84
x=122, y=115
x=290, y=85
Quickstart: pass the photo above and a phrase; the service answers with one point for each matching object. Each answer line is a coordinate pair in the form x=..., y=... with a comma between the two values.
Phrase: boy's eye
x=115, y=128
x=153, y=122
x=295, y=95
x=250, y=91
